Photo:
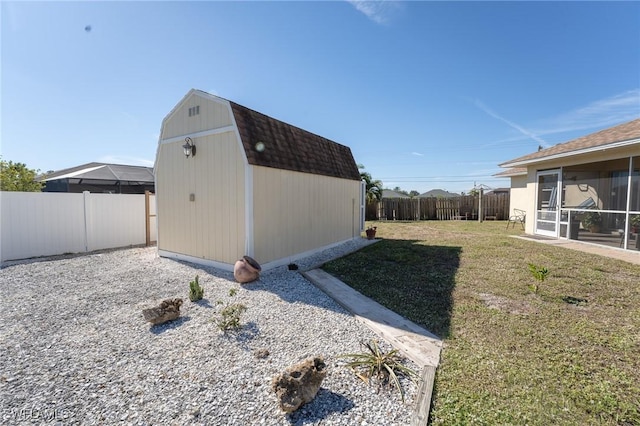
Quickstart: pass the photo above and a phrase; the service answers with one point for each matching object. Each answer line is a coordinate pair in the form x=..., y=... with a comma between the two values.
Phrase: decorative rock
x=246, y=270
x=299, y=384
x=168, y=310
x=261, y=353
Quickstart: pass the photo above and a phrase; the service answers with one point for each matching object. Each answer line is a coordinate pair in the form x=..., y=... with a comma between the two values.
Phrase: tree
x=373, y=187
x=400, y=191
x=413, y=193
x=17, y=177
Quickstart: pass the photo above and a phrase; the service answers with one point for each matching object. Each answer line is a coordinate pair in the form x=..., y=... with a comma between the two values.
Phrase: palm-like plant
x=373, y=187
x=386, y=366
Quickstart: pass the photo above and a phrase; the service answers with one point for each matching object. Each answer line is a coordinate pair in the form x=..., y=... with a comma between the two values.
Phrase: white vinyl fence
x=49, y=223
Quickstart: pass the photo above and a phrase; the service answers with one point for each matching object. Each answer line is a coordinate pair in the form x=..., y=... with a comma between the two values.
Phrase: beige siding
x=530, y=192
x=213, y=115
x=213, y=225
x=297, y=212
x=519, y=197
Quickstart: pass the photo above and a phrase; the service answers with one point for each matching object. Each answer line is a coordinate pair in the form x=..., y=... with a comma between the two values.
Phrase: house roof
x=514, y=171
x=103, y=172
x=291, y=148
x=499, y=191
x=388, y=193
x=438, y=193
x=622, y=135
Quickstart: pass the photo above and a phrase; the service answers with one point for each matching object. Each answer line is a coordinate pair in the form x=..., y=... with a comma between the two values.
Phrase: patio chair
x=587, y=204
x=518, y=216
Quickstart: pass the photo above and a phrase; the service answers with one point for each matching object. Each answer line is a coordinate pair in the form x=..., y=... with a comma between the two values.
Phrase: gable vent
x=194, y=111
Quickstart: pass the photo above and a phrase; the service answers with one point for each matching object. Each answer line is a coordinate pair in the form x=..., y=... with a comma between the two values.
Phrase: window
x=194, y=110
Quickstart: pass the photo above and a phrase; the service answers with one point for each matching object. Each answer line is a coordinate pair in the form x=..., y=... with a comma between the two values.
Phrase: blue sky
x=426, y=94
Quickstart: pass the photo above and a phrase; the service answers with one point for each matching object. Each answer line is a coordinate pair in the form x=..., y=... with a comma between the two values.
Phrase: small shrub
x=539, y=273
x=592, y=221
x=385, y=366
x=229, y=315
x=195, y=291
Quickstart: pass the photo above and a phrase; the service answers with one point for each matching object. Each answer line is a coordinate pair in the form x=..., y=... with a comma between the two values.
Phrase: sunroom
x=587, y=189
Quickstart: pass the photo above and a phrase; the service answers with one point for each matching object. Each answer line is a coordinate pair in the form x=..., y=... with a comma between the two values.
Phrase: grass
x=568, y=354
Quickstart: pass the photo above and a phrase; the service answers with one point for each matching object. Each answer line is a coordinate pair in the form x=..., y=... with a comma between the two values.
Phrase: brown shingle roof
x=621, y=133
x=514, y=171
x=291, y=148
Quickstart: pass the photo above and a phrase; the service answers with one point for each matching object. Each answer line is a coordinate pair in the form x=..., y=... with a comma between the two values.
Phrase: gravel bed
x=76, y=349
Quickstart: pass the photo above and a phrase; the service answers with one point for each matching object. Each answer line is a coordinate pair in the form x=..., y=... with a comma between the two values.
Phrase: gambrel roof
x=291, y=148
x=625, y=134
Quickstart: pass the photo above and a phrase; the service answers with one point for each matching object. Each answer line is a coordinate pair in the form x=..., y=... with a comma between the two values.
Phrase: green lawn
x=568, y=354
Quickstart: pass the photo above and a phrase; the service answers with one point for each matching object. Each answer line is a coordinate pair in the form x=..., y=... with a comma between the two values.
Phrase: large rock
x=168, y=310
x=299, y=384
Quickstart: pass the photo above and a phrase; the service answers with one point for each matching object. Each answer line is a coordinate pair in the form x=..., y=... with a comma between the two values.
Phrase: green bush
x=592, y=220
x=229, y=315
x=539, y=273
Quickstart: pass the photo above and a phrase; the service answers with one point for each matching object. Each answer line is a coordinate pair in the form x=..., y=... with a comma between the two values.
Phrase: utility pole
x=480, y=204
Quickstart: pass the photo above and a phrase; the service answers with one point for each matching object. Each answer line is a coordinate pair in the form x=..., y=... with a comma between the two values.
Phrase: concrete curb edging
x=415, y=342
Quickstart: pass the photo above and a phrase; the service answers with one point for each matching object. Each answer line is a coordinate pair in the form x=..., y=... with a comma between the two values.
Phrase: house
x=100, y=178
x=231, y=181
x=592, y=180
x=438, y=193
x=388, y=193
x=498, y=191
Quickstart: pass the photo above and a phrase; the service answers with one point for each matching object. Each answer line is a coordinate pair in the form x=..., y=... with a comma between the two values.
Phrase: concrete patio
x=613, y=253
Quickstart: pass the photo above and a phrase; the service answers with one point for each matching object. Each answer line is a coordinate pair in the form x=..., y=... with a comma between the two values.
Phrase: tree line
x=18, y=177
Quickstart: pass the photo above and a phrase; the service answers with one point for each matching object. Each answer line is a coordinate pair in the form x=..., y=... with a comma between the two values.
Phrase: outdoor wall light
x=260, y=146
x=189, y=147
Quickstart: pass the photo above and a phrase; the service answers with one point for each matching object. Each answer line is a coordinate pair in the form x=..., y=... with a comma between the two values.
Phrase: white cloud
x=380, y=11
x=519, y=128
x=600, y=113
x=417, y=154
x=130, y=117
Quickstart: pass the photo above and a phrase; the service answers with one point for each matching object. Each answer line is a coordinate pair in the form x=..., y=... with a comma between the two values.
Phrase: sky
x=428, y=95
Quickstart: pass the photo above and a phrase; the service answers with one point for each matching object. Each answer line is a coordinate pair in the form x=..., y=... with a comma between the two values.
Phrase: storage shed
x=250, y=185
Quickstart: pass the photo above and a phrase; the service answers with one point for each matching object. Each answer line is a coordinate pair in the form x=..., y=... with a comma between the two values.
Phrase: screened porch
x=595, y=202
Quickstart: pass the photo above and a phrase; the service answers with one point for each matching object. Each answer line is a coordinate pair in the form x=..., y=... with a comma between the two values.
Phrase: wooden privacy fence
x=494, y=206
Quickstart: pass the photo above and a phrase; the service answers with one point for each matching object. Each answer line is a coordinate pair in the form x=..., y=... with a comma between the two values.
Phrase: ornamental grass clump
x=196, y=292
x=386, y=367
